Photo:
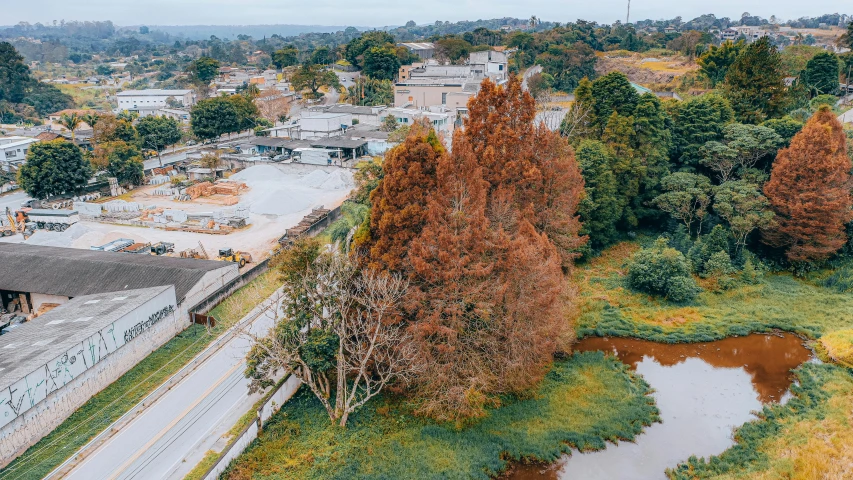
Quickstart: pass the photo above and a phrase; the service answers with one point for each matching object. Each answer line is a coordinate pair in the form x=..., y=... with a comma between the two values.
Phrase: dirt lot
x=277, y=199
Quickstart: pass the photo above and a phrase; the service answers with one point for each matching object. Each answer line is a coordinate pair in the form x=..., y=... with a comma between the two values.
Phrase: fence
x=272, y=403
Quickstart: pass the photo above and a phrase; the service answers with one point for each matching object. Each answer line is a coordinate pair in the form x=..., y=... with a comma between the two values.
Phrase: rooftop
x=153, y=92
x=34, y=344
x=337, y=142
x=322, y=115
x=72, y=272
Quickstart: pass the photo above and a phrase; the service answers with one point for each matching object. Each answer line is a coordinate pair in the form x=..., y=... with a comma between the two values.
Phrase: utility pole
x=628, y=16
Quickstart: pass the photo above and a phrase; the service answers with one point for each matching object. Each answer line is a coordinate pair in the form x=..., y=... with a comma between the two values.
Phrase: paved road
x=172, y=435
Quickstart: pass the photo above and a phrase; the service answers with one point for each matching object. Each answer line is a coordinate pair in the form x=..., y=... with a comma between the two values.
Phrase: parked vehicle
x=49, y=219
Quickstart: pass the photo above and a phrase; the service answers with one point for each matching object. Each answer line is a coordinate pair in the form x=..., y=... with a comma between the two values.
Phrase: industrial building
x=79, y=319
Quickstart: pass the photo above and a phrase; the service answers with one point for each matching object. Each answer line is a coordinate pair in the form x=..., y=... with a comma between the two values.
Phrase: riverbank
x=809, y=436
x=585, y=401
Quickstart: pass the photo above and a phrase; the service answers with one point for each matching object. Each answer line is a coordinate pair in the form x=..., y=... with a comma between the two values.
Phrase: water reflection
x=703, y=391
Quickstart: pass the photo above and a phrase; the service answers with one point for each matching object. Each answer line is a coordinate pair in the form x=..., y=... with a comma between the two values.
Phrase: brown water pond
x=703, y=391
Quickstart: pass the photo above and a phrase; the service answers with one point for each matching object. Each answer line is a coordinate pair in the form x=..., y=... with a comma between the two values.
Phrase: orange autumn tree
x=399, y=202
x=485, y=299
x=530, y=167
x=809, y=190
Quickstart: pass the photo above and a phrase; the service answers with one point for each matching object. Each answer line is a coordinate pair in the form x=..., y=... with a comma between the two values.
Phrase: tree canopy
x=53, y=168
x=755, y=83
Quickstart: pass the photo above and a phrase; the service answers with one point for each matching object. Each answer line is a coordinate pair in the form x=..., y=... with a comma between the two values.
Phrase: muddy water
x=703, y=391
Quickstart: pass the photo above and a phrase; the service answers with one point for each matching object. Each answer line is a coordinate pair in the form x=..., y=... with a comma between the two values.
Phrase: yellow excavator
x=230, y=255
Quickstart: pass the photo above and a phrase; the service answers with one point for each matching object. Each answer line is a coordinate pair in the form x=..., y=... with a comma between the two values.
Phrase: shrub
x=662, y=270
x=841, y=280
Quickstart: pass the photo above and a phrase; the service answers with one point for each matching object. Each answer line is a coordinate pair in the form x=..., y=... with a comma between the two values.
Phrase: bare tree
x=576, y=122
x=273, y=108
x=337, y=334
x=548, y=111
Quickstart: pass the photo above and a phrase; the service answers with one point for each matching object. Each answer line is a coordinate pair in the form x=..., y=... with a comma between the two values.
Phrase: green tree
x=157, y=133
x=103, y=69
x=381, y=63
x=613, y=93
x=71, y=122
x=601, y=208
x=53, y=168
x=47, y=99
x=653, y=137
x=312, y=77
x=90, y=119
x=661, y=270
x=247, y=112
x=203, y=70
x=122, y=160
x=786, y=127
x=15, y=78
x=322, y=56
x=580, y=121
x=369, y=91
x=213, y=117
x=355, y=50
x=755, y=83
x=286, y=56
x=110, y=128
x=821, y=74
x=742, y=148
x=686, y=198
x=715, y=62
x=695, y=122
x=744, y=207
x=626, y=165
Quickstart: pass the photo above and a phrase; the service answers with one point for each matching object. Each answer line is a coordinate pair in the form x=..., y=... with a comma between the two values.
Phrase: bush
x=841, y=280
x=662, y=270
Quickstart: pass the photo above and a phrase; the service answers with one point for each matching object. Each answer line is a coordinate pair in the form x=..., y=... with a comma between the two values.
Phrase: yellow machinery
x=229, y=255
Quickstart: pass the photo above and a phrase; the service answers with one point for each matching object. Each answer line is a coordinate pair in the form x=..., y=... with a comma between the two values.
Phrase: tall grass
x=779, y=301
x=807, y=438
x=583, y=402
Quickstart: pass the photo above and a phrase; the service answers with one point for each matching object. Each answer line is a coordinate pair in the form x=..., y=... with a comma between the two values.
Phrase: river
x=703, y=391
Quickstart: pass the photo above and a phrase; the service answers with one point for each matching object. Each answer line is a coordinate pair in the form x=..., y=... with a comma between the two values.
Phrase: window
x=500, y=67
x=444, y=98
x=11, y=154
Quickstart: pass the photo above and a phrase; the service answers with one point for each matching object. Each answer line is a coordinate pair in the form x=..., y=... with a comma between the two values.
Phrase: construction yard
x=249, y=211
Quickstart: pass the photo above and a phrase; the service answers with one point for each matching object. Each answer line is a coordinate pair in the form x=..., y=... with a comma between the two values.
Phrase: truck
x=49, y=219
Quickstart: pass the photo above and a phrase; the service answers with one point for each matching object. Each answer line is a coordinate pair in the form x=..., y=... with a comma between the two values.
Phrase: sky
x=374, y=13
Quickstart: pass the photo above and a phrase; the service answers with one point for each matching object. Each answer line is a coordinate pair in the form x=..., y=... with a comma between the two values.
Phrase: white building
x=441, y=121
x=147, y=101
x=320, y=125
x=13, y=151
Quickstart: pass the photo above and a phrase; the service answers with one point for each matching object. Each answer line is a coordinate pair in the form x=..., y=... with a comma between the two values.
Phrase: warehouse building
x=78, y=320
x=33, y=275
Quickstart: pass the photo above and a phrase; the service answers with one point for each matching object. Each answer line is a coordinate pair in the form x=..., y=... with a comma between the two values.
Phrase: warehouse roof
x=71, y=272
x=46, y=337
x=337, y=142
x=158, y=92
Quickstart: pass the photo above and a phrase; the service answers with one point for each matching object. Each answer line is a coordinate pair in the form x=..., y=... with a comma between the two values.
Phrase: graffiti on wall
x=27, y=392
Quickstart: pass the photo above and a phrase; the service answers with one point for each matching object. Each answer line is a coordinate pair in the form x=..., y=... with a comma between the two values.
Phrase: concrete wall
x=212, y=282
x=33, y=424
x=422, y=96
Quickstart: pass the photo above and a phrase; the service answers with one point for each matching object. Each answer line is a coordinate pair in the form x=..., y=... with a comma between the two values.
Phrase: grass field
x=115, y=400
x=779, y=301
x=584, y=401
x=810, y=436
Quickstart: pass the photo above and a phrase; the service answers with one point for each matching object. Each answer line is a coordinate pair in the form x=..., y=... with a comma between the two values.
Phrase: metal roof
x=337, y=142
x=34, y=343
x=152, y=92
x=72, y=272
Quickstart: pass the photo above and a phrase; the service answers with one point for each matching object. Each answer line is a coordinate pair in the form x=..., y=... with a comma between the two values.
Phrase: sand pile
x=336, y=181
x=315, y=179
x=259, y=173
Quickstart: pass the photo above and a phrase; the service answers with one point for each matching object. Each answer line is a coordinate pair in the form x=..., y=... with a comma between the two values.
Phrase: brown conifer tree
x=530, y=168
x=809, y=190
x=485, y=298
x=399, y=202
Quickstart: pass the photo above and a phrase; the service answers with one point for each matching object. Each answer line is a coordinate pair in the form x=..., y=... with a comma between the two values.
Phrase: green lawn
x=115, y=400
x=584, y=401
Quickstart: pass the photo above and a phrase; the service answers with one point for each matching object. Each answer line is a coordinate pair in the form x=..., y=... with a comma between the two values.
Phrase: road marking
x=168, y=427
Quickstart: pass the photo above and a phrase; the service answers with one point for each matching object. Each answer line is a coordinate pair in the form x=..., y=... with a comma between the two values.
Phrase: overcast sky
x=384, y=12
